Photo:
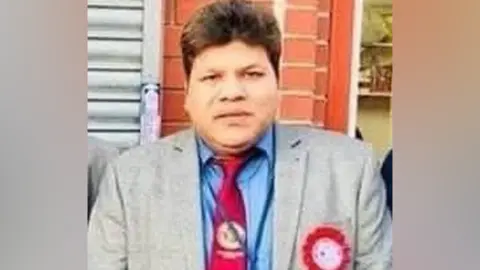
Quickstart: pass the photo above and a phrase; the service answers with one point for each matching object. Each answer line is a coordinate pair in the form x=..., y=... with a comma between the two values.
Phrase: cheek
x=266, y=101
x=197, y=105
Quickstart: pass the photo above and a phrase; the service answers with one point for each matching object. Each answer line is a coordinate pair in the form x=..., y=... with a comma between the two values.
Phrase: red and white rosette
x=326, y=248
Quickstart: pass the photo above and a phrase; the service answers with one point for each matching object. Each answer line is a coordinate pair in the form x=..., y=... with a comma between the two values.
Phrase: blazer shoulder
x=149, y=153
x=334, y=143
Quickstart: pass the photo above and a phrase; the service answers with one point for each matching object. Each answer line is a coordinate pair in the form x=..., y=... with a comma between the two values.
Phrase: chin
x=235, y=139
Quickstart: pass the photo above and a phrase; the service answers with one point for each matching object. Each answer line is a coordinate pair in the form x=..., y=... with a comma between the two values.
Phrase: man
x=99, y=154
x=237, y=191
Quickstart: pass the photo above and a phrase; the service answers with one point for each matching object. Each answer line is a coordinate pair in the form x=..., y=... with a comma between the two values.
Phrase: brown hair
x=224, y=21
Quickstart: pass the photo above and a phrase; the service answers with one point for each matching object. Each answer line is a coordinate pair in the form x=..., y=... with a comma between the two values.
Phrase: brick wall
x=305, y=61
x=304, y=67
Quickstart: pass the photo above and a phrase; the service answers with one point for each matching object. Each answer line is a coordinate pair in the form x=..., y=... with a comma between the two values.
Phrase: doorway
x=374, y=81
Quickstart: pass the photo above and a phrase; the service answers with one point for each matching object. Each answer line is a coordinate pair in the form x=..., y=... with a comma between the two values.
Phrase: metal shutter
x=115, y=43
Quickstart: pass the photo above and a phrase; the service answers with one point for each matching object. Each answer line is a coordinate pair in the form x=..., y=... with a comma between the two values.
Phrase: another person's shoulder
x=387, y=166
x=100, y=149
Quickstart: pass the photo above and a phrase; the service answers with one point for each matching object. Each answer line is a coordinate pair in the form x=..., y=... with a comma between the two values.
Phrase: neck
x=223, y=150
x=228, y=151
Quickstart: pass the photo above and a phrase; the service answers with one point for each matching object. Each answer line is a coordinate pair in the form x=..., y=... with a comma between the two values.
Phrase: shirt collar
x=265, y=144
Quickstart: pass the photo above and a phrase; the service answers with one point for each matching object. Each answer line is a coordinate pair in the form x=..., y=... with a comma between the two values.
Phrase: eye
x=211, y=77
x=254, y=74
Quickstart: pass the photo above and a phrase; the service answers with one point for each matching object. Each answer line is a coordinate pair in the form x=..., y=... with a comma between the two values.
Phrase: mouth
x=233, y=114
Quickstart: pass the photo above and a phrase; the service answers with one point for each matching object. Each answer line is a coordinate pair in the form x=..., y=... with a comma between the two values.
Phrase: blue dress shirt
x=254, y=181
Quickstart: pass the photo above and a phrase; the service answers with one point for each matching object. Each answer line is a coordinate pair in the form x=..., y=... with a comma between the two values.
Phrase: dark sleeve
x=358, y=134
x=387, y=174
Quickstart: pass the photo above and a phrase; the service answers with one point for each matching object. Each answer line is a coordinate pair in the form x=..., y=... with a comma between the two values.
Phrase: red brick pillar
x=173, y=115
x=305, y=60
x=304, y=67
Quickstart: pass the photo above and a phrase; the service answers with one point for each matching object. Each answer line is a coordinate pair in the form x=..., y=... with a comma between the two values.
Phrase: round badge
x=327, y=254
x=226, y=236
x=326, y=249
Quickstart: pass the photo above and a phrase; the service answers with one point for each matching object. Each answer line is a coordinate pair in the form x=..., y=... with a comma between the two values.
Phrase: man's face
x=232, y=94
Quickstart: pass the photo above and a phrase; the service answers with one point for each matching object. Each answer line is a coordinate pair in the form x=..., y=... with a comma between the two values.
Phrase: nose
x=232, y=89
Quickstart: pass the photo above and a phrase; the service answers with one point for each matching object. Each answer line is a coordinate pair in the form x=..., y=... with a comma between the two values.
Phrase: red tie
x=227, y=252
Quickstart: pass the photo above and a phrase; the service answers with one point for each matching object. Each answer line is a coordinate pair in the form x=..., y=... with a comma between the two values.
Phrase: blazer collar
x=290, y=163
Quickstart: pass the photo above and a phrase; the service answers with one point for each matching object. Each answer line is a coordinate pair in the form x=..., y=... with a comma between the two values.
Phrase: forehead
x=233, y=55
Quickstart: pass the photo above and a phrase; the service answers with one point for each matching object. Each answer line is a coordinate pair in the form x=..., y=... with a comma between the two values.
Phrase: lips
x=232, y=114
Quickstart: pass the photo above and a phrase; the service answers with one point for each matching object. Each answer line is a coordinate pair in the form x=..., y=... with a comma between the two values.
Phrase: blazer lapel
x=186, y=196
x=291, y=157
x=289, y=184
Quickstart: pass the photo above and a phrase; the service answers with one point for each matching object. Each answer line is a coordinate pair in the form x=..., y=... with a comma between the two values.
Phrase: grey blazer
x=147, y=215
x=99, y=154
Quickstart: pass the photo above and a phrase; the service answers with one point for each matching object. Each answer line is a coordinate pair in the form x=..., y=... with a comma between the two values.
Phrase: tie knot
x=230, y=166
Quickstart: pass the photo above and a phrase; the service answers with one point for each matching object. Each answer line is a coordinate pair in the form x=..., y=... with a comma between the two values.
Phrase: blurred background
x=374, y=118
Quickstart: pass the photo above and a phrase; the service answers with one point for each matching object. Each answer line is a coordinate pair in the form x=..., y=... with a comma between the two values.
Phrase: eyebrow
x=252, y=66
x=247, y=67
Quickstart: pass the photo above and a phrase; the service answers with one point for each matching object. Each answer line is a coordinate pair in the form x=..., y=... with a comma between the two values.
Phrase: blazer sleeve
x=374, y=248
x=106, y=240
